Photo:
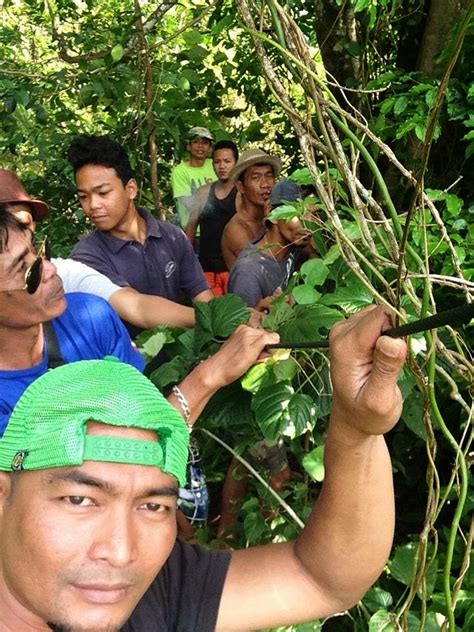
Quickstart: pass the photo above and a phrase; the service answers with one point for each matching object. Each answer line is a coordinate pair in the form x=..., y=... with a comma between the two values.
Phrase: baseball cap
x=285, y=191
x=12, y=190
x=200, y=132
x=251, y=157
x=48, y=426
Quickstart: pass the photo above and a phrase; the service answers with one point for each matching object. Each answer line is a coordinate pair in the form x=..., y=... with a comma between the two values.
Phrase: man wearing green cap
x=89, y=468
x=190, y=174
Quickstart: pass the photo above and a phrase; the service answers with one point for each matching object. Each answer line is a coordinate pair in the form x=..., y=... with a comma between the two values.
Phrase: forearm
x=348, y=537
x=197, y=388
x=146, y=311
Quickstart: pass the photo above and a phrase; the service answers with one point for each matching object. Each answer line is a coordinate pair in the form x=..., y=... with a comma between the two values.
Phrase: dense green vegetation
x=373, y=102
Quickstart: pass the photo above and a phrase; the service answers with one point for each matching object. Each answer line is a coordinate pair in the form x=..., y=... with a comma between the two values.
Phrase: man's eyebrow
x=80, y=478
x=98, y=186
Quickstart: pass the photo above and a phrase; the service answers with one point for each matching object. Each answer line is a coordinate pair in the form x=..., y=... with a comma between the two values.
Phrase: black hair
x=8, y=222
x=226, y=144
x=100, y=150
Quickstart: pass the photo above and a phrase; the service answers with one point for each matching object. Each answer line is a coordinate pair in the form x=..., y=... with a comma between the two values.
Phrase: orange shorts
x=217, y=282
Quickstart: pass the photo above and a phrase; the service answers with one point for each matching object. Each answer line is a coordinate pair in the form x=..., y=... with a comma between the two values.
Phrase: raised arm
x=347, y=540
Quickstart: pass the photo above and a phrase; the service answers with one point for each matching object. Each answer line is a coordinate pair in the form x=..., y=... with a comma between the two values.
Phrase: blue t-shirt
x=88, y=329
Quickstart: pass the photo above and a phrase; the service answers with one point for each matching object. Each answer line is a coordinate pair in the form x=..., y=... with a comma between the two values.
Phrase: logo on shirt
x=170, y=268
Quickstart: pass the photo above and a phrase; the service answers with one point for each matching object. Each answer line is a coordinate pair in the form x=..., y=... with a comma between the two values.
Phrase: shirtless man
x=254, y=176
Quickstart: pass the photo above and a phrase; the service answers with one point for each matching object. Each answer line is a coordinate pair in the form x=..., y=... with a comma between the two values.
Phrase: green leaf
x=218, y=318
x=314, y=272
x=305, y=295
x=279, y=411
x=376, y=598
x=183, y=84
x=154, y=345
x=255, y=377
x=402, y=565
x=351, y=298
x=313, y=463
x=285, y=211
x=412, y=414
x=381, y=621
x=285, y=369
x=400, y=106
x=192, y=38
x=117, y=52
x=307, y=322
x=302, y=411
x=361, y=5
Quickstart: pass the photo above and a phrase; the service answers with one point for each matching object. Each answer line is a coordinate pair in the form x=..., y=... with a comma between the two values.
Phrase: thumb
x=388, y=359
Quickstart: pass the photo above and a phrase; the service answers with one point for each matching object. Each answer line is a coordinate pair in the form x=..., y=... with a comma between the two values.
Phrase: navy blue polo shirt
x=165, y=265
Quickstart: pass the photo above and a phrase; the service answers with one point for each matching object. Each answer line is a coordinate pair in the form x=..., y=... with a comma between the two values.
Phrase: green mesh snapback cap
x=48, y=427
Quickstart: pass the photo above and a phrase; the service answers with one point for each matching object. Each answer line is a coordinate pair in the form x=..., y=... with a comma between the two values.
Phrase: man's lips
x=102, y=593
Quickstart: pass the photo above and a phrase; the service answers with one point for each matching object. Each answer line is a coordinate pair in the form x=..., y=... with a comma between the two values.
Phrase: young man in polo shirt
x=128, y=244
x=190, y=174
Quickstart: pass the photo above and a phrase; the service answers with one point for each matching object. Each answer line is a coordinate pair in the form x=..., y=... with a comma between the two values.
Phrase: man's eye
x=154, y=507
x=79, y=501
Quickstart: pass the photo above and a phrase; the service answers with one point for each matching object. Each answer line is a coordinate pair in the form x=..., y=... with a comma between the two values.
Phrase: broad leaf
x=307, y=322
x=381, y=621
x=154, y=345
x=117, y=52
x=271, y=408
x=314, y=272
x=313, y=463
x=351, y=298
x=218, y=318
x=377, y=598
x=305, y=294
x=412, y=414
x=402, y=565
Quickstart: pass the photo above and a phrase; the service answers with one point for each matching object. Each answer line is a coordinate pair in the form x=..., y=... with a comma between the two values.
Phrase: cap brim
x=257, y=160
x=40, y=209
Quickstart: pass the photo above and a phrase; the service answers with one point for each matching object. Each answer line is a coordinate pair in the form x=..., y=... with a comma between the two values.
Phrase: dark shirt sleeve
x=185, y=595
x=93, y=253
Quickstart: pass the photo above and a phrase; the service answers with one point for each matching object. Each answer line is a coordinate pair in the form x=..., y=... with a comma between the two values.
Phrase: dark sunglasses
x=34, y=273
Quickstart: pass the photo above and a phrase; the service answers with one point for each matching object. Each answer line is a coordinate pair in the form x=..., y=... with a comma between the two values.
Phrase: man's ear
x=239, y=185
x=132, y=188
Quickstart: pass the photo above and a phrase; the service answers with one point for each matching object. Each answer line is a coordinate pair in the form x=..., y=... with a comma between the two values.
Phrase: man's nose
x=115, y=542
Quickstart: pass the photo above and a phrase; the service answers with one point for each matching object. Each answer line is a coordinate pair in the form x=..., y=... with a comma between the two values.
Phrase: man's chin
x=72, y=627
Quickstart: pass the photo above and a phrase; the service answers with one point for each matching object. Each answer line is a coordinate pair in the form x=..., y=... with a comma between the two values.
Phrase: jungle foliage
x=372, y=102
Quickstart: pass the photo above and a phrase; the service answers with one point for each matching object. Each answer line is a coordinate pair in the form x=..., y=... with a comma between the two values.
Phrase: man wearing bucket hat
x=254, y=176
x=190, y=174
x=267, y=262
x=89, y=469
x=142, y=310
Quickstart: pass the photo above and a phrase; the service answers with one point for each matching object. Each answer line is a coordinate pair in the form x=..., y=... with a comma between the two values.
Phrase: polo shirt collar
x=115, y=244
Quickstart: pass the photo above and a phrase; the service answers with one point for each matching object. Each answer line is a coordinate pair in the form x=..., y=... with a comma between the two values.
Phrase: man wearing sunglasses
x=31, y=293
x=144, y=311
x=36, y=322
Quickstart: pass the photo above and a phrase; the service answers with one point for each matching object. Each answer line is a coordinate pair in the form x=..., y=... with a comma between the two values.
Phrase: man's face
x=257, y=184
x=199, y=148
x=223, y=162
x=294, y=232
x=18, y=309
x=106, y=201
x=79, y=546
